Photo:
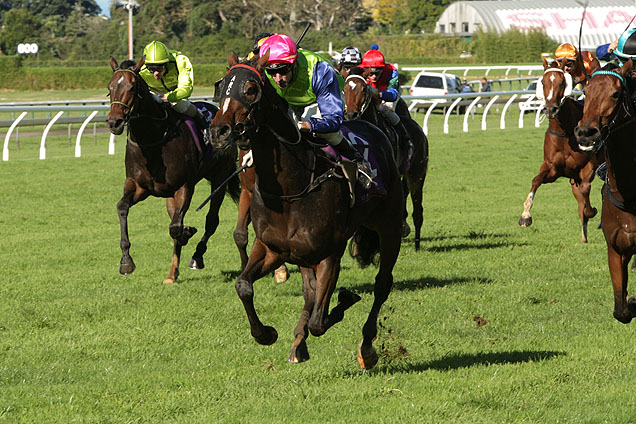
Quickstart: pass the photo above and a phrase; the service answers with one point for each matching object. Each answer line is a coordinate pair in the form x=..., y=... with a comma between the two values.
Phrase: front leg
x=132, y=194
x=261, y=262
x=177, y=207
x=299, y=351
x=624, y=310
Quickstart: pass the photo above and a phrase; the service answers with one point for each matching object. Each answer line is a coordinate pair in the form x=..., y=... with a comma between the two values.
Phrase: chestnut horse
x=162, y=160
x=359, y=104
x=301, y=208
x=609, y=119
x=562, y=156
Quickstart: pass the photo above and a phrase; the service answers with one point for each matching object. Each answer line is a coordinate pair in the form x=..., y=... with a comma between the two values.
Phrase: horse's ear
x=562, y=64
x=262, y=62
x=233, y=59
x=366, y=72
x=113, y=63
x=140, y=64
x=626, y=68
x=546, y=65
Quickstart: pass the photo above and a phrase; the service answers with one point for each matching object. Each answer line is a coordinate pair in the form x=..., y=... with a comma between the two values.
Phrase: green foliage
x=19, y=26
x=511, y=46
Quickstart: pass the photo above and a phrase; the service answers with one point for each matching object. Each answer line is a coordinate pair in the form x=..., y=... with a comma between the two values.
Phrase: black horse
x=301, y=209
x=163, y=160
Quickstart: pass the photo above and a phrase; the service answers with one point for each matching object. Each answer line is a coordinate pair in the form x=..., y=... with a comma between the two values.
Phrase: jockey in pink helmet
x=312, y=88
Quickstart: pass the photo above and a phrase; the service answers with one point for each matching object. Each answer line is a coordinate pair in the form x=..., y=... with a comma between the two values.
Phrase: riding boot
x=365, y=175
x=202, y=123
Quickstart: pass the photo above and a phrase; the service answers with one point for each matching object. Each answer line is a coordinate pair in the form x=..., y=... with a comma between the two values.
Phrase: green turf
x=487, y=323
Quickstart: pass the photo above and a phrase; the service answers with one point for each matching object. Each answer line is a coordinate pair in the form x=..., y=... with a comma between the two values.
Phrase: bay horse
x=609, y=119
x=301, y=209
x=359, y=104
x=162, y=160
x=562, y=156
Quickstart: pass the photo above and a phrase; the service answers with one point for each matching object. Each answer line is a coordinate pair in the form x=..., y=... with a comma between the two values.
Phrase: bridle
x=129, y=116
x=612, y=126
x=234, y=90
x=367, y=93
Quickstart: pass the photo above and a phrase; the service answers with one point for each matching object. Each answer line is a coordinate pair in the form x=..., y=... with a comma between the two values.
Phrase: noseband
x=367, y=93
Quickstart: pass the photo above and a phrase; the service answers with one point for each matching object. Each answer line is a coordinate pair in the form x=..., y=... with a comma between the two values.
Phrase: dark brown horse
x=359, y=104
x=162, y=160
x=301, y=209
x=609, y=119
x=562, y=156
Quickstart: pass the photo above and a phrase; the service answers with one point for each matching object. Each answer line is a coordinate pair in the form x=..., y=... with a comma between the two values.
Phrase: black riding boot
x=203, y=125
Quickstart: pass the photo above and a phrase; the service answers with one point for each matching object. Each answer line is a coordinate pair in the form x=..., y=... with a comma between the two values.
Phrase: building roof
x=560, y=19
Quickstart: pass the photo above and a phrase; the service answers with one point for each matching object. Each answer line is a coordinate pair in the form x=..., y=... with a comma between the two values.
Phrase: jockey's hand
x=374, y=92
x=304, y=126
x=248, y=160
x=164, y=98
x=612, y=46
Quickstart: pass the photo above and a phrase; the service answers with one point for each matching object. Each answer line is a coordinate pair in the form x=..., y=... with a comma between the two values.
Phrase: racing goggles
x=281, y=68
x=375, y=71
x=156, y=68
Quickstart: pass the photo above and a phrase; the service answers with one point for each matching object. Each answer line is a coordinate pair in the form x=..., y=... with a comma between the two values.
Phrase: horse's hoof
x=592, y=214
x=268, y=336
x=367, y=357
x=347, y=298
x=169, y=281
x=126, y=269
x=406, y=229
x=525, y=222
x=281, y=274
x=196, y=264
x=299, y=353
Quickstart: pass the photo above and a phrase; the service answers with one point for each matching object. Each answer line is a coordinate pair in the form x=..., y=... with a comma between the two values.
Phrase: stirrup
x=365, y=174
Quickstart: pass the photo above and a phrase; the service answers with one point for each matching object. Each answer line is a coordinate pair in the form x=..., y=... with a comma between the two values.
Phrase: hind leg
x=415, y=186
x=211, y=224
x=299, y=351
x=177, y=206
x=546, y=175
x=389, y=250
x=132, y=194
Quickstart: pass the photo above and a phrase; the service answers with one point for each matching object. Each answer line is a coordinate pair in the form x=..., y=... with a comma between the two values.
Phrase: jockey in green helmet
x=170, y=77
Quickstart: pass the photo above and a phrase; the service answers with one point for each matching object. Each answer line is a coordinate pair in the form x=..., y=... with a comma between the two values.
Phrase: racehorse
x=247, y=178
x=162, y=160
x=301, y=210
x=359, y=104
x=609, y=119
x=562, y=156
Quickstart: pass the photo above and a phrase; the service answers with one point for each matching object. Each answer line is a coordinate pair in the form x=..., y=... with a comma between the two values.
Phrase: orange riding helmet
x=566, y=51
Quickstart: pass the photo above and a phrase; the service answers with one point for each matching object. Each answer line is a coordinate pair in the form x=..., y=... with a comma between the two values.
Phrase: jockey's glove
x=374, y=91
x=248, y=160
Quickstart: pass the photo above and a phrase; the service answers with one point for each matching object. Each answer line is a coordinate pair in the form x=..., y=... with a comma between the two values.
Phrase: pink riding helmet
x=282, y=50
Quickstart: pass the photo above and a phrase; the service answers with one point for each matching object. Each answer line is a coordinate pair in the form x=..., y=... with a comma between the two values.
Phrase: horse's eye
x=615, y=95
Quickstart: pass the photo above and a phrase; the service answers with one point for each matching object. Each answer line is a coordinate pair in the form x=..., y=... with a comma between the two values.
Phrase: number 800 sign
x=27, y=48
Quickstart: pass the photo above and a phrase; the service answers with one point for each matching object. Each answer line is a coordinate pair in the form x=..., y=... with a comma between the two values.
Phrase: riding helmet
x=565, y=51
x=350, y=56
x=626, y=48
x=373, y=59
x=156, y=53
x=282, y=50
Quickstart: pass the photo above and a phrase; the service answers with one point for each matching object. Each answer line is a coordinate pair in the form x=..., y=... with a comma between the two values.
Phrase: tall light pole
x=133, y=7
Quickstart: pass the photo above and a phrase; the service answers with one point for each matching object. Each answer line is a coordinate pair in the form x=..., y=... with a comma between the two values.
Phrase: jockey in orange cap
x=568, y=53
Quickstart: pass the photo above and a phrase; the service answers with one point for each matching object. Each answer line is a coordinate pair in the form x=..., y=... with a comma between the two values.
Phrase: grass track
x=79, y=342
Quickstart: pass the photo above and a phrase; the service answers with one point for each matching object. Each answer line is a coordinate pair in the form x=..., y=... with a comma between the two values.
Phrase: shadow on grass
x=473, y=236
x=453, y=362
x=230, y=276
x=422, y=283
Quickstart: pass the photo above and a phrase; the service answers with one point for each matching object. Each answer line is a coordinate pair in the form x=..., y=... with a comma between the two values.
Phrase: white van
x=434, y=83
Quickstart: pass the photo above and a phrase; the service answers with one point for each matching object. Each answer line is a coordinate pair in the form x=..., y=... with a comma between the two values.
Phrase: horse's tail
x=365, y=247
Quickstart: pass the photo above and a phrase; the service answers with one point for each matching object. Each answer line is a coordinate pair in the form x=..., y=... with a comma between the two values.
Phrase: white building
x=605, y=20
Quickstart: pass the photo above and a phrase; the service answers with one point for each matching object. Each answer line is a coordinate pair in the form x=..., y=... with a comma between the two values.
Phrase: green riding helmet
x=156, y=53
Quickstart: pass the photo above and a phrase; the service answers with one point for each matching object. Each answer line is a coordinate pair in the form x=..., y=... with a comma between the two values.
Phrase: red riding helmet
x=372, y=59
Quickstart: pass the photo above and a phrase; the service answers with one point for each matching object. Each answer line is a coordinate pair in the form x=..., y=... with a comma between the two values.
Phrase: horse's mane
x=609, y=66
x=127, y=64
x=356, y=70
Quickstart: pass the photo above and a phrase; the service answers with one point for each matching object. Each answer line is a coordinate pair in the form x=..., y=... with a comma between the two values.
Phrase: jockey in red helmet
x=312, y=88
x=383, y=80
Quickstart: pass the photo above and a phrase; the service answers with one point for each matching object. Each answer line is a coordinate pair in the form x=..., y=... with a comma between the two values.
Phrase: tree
x=20, y=26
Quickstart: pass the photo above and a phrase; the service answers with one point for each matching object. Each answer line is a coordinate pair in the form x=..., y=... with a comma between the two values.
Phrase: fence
x=448, y=104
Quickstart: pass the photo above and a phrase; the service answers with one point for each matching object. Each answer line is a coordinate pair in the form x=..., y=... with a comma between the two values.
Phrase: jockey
x=258, y=42
x=384, y=85
x=568, y=53
x=623, y=49
x=169, y=76
x=349, y=58
x=312, y=88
